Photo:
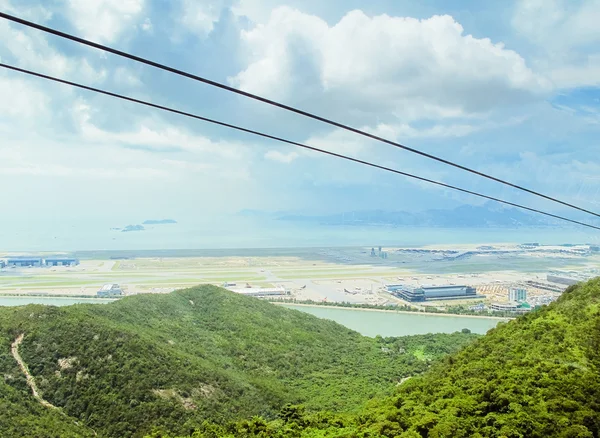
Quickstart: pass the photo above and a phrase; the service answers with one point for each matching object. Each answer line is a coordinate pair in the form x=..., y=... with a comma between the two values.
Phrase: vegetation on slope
x=171, y=362
x=21, y=414
x=537, y=376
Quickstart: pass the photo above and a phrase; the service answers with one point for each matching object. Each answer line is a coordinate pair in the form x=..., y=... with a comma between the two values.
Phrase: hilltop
x=171, y=362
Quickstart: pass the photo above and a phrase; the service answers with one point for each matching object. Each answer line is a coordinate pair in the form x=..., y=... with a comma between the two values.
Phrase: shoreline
x=499, y=318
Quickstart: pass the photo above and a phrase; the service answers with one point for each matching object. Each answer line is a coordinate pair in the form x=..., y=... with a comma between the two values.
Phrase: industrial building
x=260, y=291
x=29, y=261
x=432, y=293
x=24, y=261
x=110, y=291
x=517, y=294
x=61, y=261
x=568, y=281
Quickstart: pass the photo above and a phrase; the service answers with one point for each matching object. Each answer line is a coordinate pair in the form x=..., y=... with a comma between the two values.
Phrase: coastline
x=499, y=318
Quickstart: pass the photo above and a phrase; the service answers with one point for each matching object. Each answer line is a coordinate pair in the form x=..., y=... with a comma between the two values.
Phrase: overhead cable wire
x=284, y=107
x=283, y=140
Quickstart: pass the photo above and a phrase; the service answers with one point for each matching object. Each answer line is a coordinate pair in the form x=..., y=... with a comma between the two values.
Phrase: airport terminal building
x=432, y=293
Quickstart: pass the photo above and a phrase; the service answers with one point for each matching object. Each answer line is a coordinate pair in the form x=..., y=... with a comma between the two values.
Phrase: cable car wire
x=284, y=107
x=283, y=140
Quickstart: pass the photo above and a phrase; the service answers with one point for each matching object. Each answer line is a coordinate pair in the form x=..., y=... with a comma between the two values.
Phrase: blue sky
x=509, y=88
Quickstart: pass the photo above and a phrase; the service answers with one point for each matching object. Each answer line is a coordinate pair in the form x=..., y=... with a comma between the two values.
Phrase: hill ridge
x=173, y=361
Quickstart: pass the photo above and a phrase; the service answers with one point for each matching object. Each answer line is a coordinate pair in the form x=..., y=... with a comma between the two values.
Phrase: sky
x=510, y=88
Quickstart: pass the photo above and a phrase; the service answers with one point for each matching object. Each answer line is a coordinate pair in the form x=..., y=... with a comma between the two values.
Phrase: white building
x=517, y=294
x=110, y=290
x=512, y=306
x=259, y=291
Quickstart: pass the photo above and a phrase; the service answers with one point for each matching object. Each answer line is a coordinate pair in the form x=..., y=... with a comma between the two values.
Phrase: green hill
x=534, y=377
x=170, y=362
x=22, y=416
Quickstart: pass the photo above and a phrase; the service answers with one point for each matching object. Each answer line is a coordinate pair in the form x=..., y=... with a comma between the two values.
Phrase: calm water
x=243, y=232
x=22, y=301
x=371, y=323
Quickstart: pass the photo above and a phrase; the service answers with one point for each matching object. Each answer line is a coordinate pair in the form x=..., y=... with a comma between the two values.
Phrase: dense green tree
x=534, y=377
x=164, y=364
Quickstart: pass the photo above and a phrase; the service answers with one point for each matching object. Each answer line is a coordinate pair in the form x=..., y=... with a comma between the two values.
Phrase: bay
x=390, y=323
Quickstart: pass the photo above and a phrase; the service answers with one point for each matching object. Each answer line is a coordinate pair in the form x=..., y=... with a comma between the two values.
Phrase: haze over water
x=242, y=232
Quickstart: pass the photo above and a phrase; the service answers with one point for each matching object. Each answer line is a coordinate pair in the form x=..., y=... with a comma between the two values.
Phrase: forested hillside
x=147, y=364
x=534, y=377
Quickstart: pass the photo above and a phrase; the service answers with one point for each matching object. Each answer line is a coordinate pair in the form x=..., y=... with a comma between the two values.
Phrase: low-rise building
x=110, y=291
x=478, y=307
x=568, y=281
x=259, y=291
x=61, y=261
x=432, y=293
x=504, y=307
x=23, y=262
x=511, y=306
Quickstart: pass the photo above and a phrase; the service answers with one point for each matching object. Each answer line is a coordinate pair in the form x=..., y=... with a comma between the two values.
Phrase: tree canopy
x=170, y=363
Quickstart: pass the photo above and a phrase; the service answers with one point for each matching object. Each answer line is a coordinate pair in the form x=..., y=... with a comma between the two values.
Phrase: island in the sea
x=129, y=228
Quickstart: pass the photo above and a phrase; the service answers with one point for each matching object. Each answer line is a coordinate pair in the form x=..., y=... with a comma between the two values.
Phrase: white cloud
x=21, y=100
x=35, y=13
x=200, y=17
x=89, y=73
x=33, y=154
x=440, y=130
x=338, y=141
x=103, y=20
x=558, y=24
x=152, y=135
x=258, y=11
x=255, y=10
x=585, y=73
x=567, y=35
x=147, y=25
x=281, y=157
x=124, y=76
x=31, y=50
x=412, y=68
x=57, y=170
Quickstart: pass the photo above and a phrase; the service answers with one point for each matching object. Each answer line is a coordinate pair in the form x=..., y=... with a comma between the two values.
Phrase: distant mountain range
x=465, y=216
